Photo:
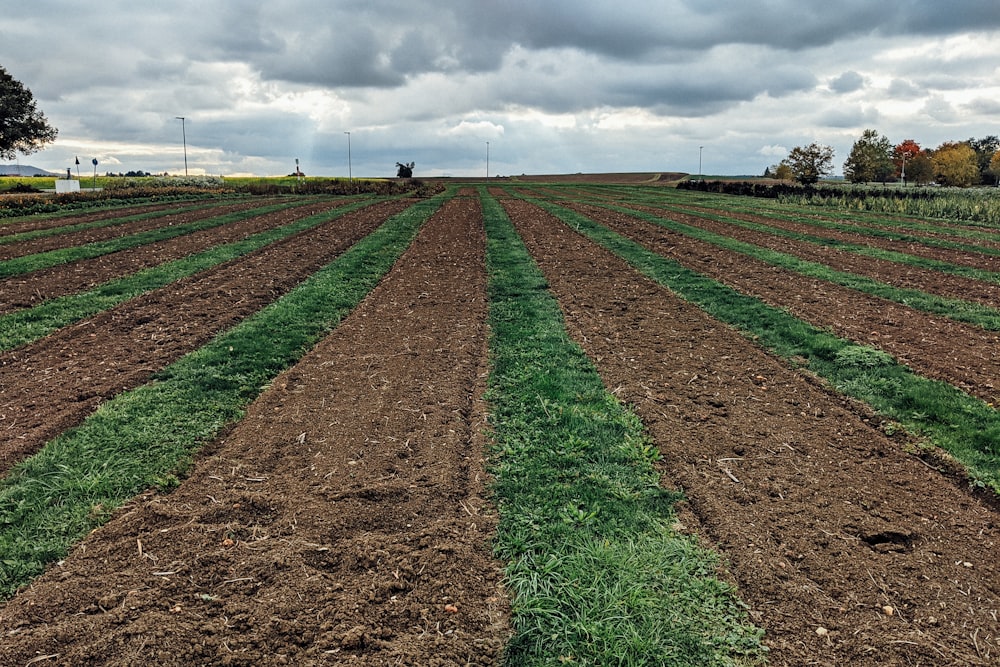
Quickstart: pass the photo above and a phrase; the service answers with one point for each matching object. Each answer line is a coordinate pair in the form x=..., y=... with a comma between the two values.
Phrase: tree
x=23, y=128
x=956, y=164
x=995, y=167
x=404, y=169
x=810, y=163
x=870, y=159
x=920, y=169
x=985, y=149
x=904, y=153
x=782, y=171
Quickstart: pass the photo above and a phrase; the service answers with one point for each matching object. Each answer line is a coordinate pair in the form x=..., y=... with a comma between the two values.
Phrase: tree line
x=874, y=159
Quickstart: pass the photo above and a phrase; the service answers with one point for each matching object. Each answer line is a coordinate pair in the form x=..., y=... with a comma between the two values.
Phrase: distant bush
x=165, y=182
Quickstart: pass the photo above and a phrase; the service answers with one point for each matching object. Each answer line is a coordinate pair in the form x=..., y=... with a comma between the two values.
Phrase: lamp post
x=700, y=148
x=184, y=138
x=487, y=160
x=350, y=174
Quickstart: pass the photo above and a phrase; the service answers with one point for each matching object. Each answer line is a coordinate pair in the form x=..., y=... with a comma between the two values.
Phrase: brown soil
x=54, y=383
x=824, y=521
x=963, y=355
x=28, y=290
x=960, y=257
x=892, y=273
x=342, y=521
x=19, y=226
x=81, y=237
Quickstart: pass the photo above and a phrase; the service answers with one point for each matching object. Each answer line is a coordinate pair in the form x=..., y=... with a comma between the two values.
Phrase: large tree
x=810, y=163
x=995, y=166
x=870, y=159
x=955, y=163
x=902, y=155
x=23, y=128
x=985, y=149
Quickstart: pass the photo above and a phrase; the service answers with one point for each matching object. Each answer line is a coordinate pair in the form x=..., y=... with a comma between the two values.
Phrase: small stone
x=822, y=632
x=888, y=610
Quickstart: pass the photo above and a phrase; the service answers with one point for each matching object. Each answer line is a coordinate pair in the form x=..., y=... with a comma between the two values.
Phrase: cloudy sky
x=542, y=86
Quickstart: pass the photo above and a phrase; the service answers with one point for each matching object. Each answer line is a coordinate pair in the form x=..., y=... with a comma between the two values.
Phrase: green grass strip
x=45, y=260
x=25, y=326
x=105, y=222
x=955, y=309
x=885, y=225
x=846, y=246
x=597, y=575
x=147, y=436
x=966, y=427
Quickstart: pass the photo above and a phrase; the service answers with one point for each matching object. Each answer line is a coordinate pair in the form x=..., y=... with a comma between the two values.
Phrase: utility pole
x=184, y=137
x=350, y=174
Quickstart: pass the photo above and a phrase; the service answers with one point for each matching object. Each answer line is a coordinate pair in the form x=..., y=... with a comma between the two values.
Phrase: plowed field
x=346, y=518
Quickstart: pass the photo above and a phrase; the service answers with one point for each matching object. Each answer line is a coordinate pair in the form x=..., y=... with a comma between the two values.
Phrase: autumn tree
x=870, y=159
x=23, y=128
x=902, y=155
x=810, y=163
x=955, y=163
x=782, y=171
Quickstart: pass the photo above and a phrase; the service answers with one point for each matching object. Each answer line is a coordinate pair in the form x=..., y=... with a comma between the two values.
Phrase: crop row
x=965, y=426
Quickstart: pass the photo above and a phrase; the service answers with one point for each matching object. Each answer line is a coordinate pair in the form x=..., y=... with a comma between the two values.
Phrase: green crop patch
x=597, y=574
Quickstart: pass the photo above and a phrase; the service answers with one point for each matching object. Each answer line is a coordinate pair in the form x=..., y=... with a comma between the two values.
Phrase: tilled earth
x=847, y=550
x=963, y=355
x=25, y=291
x=52, y=384
x=342, y=521
x=346, y=520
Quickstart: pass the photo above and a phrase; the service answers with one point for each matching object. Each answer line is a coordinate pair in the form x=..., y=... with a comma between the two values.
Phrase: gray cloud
x=848, y=82
x=608, y=85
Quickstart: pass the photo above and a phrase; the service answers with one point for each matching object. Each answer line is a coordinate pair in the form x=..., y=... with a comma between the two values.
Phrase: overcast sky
x=553, y=86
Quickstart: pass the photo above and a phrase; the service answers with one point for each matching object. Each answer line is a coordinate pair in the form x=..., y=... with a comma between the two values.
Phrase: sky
x=531, y=86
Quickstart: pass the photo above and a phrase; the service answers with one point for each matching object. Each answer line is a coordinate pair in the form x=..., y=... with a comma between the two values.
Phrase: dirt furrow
x=85, y=236
x=30, y=223
x=960, y=257
x=28, y=290
x=963, y=355
x=847, y=550
x=892, y=273
x=342, y=521
x=51, y=385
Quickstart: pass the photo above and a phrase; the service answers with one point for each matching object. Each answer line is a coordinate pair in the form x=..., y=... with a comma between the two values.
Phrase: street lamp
x=184, y=138
x=699, y=162
x=487, y=160
x=350, y=174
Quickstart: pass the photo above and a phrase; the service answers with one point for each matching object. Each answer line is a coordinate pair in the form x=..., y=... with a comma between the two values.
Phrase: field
x=533, y=421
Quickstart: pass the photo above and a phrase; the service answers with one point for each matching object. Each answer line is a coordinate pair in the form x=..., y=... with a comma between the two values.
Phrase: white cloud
x=556, y=86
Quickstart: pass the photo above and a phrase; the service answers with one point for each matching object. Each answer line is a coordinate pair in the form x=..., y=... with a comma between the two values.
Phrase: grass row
x=727, y=205
x=44, y=260
x=964, y=426
x=110, y=221
x=891, y=225
x=25, y=326
x=955, y=309
x=146, y=437
x=596, y=573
